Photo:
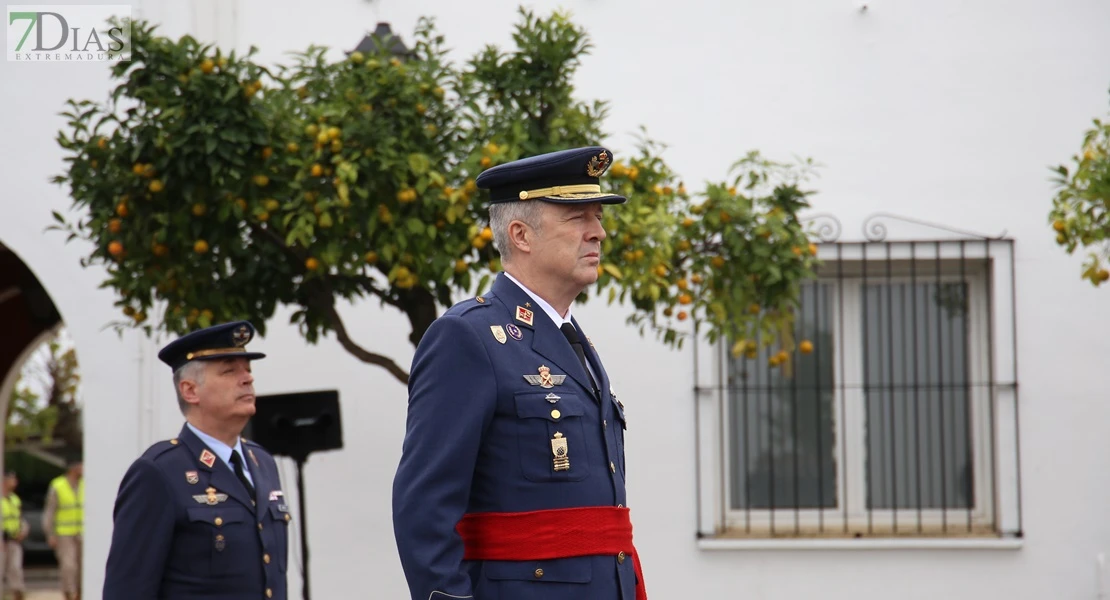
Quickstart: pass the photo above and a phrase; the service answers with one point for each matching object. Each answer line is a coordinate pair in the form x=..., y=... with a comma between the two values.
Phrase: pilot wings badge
x=545, y=379
x=210, y=497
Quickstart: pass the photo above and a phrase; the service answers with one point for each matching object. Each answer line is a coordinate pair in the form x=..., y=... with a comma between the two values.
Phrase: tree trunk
x=420, y=306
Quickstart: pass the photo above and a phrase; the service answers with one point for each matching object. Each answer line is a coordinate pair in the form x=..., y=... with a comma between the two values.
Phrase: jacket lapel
x=547, y=340
x=220, y=475
x=261, y=490
x=595, y=360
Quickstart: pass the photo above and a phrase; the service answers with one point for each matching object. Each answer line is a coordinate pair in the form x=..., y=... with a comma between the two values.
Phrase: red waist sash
x=551, y=534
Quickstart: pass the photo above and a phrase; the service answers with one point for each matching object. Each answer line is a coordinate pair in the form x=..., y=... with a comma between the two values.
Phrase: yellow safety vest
x=12, y=513
x=70, y=518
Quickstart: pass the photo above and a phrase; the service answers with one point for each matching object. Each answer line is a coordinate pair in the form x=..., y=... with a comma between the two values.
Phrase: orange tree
x=1080, y=214
x=213, y=188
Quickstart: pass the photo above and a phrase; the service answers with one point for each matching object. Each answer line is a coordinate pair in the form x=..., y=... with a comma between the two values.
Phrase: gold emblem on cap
x=598, y=164
x=241, y=336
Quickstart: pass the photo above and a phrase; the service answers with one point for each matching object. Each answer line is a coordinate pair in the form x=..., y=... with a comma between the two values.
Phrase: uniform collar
x=221, y=449
x=544, y=304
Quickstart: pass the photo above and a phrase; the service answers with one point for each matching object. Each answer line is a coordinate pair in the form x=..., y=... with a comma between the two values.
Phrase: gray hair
x=193, y=371
x=503, y=213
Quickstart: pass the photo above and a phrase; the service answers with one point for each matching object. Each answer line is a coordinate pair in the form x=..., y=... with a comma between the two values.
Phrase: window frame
x=988, y=272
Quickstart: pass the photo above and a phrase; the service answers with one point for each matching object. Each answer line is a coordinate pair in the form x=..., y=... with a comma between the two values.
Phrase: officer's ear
x=189, y=385
x=521, y=236
x=188, y=390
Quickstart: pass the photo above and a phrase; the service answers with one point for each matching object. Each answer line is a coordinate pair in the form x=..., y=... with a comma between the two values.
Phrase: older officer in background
x=203, y=515
x=512, y=479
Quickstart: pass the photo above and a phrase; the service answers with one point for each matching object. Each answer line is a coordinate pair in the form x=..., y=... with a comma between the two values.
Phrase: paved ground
x=42, y=584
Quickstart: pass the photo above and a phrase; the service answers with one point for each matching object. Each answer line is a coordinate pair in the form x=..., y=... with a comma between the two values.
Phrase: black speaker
x=297, y=424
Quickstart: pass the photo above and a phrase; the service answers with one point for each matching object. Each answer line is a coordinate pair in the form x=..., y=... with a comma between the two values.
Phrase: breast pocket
x=552, y=437
x=226, y=530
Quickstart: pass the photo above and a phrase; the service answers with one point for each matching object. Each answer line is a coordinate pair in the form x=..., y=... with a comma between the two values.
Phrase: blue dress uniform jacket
x=479, y=439
x=186, y=528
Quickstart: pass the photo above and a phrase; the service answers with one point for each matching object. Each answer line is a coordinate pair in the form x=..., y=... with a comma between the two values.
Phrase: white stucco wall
x=944, y=111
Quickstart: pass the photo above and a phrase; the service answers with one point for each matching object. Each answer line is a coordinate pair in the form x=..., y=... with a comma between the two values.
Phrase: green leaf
x=418, y=164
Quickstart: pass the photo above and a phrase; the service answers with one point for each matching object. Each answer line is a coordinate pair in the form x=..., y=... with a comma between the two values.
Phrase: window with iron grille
x=897, y=417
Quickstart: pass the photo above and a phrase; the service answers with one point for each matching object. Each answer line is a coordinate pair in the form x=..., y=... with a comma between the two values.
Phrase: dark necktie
x=237, y=465
x=572, y=337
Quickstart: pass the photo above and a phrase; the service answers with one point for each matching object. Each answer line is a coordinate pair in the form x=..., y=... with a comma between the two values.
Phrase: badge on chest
x=561, y=460
x=546, y=379
x=210, y=497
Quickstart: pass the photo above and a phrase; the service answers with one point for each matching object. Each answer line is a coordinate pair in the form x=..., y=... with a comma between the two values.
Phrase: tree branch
x=325, y=301
x=274, y=237
x=328, y=306
x=371, y=285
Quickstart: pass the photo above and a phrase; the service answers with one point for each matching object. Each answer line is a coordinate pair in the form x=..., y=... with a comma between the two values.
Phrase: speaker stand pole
x=304, y=531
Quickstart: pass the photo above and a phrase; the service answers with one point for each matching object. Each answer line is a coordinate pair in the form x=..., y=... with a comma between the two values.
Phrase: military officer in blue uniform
x=203, y=515
x=512, y=417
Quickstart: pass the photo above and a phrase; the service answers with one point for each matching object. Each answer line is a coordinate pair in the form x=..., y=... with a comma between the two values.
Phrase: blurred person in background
x=63, y=520
x=16, y=529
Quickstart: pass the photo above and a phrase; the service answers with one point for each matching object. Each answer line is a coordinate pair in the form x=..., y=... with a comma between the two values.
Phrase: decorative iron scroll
x=875, y=227
x=875, y=230
x=827, y=226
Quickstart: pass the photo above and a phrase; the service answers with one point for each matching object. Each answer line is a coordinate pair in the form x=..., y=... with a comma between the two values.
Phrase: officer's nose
x=596, y=232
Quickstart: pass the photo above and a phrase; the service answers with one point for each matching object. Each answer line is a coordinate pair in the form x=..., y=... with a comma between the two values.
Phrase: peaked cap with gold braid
x=564, y=177
x=228, y=340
